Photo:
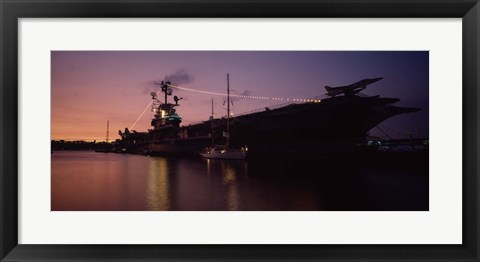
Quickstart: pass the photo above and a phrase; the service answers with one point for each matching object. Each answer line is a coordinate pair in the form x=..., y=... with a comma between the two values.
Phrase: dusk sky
x=91, y=87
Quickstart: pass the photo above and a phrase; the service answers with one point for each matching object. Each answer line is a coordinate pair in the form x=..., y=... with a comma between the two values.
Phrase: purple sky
x=91, y=87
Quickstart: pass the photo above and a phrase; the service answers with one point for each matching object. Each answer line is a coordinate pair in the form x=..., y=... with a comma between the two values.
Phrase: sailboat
x=224, y=151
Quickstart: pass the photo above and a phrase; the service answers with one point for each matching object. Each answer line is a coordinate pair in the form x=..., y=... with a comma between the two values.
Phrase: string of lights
x=139, y=117
x=248, y=97
x=145, y=110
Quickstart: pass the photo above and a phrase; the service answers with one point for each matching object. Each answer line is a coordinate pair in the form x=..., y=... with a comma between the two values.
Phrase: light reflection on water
x=98, y=181
x=229, y=181
x=158, y=198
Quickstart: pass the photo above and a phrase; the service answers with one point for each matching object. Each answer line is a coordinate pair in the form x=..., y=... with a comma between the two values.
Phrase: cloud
x=246, y=92
x=180, y=77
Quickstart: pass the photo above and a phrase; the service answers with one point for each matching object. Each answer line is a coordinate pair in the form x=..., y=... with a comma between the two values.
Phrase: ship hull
x=334, y=125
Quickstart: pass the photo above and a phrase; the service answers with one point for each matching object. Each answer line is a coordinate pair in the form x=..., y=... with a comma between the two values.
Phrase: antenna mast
x=108, y=125
x=213, y=137
x=164, y=85
x=228, y=112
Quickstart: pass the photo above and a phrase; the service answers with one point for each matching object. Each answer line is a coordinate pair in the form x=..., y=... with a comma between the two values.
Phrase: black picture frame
x=12, y=10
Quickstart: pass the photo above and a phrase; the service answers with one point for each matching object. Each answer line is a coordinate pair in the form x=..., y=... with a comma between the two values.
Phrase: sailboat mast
x=213, y=137
x=228, y=111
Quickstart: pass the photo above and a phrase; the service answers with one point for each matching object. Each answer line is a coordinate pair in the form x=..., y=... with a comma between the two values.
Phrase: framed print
x=223, y=130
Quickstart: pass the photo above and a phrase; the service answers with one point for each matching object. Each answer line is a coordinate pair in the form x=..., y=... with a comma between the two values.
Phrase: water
x=85, y=180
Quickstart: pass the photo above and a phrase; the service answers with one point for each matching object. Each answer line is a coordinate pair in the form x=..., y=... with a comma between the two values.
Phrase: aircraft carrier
x=332, y=125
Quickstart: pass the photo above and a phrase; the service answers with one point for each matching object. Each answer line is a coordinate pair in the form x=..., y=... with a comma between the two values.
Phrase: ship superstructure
x=166, y=121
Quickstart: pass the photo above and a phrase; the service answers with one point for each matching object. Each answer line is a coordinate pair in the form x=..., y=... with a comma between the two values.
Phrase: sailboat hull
x=225, y=154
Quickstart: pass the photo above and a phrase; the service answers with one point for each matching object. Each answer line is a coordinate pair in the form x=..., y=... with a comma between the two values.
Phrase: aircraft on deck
x=351, y=89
